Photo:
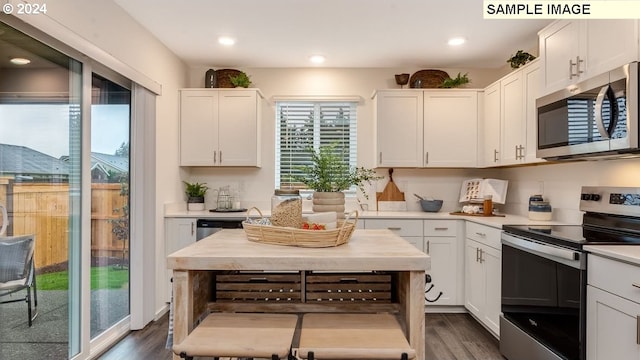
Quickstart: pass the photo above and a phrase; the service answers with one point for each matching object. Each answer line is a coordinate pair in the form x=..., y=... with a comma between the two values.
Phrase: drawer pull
x=394, y=228
x=441, y=228
x=428, y=246
x=481, y=234
x=635, y=285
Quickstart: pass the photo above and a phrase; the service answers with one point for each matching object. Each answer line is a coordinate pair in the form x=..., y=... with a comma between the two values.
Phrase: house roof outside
x=23, y=161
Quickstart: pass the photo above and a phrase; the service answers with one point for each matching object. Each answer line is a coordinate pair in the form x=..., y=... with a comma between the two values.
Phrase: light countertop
x=367, y=250
x=493, y=221
x=626, y=253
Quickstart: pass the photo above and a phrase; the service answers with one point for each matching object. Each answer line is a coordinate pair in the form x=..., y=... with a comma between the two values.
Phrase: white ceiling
x=349, y=33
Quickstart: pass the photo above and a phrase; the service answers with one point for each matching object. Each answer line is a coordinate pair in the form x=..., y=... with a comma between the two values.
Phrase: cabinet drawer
x=348, y=287
x=258, y=287
x=399, y=227
x=440, y=227
x=614, y=276
x=484, y=234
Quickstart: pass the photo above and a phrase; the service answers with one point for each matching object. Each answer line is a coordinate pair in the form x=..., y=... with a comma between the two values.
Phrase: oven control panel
x=611, y=200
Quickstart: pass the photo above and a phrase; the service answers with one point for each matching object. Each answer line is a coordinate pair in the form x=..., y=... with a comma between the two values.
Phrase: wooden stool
x=240, y=335
x=352, y=336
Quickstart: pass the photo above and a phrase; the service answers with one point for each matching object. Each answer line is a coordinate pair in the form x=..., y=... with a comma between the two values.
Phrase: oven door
x=598, y=115
x=543, y=296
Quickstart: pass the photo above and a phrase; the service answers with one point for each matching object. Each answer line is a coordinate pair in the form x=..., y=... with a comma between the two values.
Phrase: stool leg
x=275, y=357
x=404, y=356
x=310, y=355
x=184, y=355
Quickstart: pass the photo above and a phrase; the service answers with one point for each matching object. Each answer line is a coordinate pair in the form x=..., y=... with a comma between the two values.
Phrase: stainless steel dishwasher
x=206, y=227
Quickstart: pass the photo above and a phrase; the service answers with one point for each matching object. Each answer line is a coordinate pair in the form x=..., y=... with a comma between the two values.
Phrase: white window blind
x=306, y=124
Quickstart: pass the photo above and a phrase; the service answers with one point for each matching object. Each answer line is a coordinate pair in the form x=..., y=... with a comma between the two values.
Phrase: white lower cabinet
x=441, y=243
x=613, y=310
x=483, y=261
x=178, y=233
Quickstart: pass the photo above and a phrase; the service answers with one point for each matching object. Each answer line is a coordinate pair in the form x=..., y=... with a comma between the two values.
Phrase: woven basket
x=430, y=79
x=276, y=235
x=223, y=77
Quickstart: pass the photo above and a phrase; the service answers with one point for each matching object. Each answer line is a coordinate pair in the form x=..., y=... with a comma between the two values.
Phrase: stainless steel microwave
x=594, y=118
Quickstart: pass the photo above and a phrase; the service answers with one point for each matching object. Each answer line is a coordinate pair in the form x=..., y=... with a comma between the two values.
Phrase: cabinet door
x=451, y=128
x=399, y=128
x=559, y=45
x=238, y=128
x=492, y=262
x=444, y=269
x=513, y=118
x=532, y=81
x=612, y=326
x=198, y=127
x=491, y=129
x=604, y=51
x=178, y=233
x=474, y=279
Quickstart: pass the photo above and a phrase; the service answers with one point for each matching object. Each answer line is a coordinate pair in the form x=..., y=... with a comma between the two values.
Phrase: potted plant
x=240, y=80
x=455, y=82
x=520, y=58
x=195, y=195
x=328, y=175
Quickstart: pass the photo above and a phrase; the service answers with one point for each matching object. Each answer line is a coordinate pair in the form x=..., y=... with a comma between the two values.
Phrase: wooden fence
x=43, y=209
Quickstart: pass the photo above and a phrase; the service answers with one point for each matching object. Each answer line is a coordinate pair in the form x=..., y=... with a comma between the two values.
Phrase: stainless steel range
x=544, y=277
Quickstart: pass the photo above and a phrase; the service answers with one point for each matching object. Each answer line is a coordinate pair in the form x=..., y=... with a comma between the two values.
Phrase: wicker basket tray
x=430, y=79
x=277, y=235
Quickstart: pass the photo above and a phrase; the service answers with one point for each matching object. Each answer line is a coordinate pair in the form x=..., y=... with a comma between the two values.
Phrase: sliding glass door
x=64, y=177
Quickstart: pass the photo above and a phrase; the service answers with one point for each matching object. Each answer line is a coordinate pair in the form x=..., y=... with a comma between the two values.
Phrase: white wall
x=256, y=185
x=103, y=28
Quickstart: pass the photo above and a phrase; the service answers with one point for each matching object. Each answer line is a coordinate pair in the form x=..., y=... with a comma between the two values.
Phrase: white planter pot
x=329, y=201
x=195, y=206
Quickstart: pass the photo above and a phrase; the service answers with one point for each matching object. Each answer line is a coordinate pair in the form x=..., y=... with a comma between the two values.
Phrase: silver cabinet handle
x=220, y=157
x=192, y=224
x=380, y=158
x=441, y=228
x=477, y=254
x=215, y=156
x=428, y=245
x=427, y=158
x=635, y=285
x=481, y=253
x=571, y=74
x=394, y=228
x=495, y=155
x=481, y=234
x=521, y=151
x=578, y=62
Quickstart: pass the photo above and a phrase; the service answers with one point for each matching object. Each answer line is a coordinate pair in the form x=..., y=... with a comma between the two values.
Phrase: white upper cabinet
x=220, y=127
x=451, y=128
x=426, y=128
x=398, y=128
x=574, y=50
x=513, y=132
x=491, y=126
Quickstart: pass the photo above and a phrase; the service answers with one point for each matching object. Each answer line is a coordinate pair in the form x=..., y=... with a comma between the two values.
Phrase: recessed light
x=227, y=41
x=456, y=41
x=20, y=61
x=317, y=59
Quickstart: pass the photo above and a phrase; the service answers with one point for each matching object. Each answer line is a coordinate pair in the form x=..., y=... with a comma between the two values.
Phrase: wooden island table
x=369, y=251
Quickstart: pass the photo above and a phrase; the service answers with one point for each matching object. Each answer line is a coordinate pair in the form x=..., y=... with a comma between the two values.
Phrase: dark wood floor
x=448, y=337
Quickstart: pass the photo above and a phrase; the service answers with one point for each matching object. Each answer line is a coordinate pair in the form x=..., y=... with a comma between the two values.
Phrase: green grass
x=104, y=277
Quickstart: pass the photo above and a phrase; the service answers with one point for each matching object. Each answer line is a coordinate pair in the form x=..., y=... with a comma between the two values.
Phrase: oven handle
x=565, y=256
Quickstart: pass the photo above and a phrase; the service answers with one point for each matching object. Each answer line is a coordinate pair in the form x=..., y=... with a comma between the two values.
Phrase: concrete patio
x=48, y=338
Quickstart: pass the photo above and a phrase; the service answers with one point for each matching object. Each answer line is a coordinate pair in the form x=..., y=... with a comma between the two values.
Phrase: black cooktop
x=574, y=236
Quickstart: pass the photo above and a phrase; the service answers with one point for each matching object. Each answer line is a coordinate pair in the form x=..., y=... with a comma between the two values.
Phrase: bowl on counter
x=431, y=205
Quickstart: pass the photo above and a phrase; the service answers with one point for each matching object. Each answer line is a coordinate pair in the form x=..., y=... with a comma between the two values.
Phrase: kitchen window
x=311, y=124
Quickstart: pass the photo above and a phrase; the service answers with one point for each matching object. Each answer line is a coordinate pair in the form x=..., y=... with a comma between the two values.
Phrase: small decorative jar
x=286, y=208
x=540, y=210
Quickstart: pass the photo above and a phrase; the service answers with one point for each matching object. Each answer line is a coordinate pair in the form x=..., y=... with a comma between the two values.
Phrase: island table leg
x=411, y=298
x=182, y=306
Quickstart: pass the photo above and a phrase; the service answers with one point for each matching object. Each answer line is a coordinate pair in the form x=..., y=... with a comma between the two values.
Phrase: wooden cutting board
x=391, y=191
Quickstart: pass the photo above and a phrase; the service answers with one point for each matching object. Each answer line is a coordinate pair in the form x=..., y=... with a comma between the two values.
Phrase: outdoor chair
x=17, y=272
